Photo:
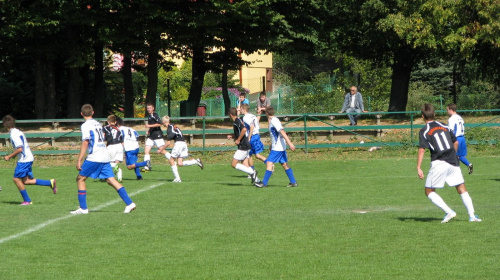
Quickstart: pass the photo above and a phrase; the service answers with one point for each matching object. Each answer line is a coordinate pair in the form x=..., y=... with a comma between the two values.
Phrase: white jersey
x=130, y=136
x=248, y=120
x=18, y=140
x=278, y=142
x=456, y=124
x=92, y=131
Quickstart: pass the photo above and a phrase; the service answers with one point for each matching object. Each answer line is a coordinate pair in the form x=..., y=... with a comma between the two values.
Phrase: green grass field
x=348, y=219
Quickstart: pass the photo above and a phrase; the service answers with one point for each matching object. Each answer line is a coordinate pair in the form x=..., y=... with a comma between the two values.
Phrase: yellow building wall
x=251, y=76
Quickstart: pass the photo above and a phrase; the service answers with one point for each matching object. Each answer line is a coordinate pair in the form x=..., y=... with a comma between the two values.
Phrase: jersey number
x=100, y=136
x=441, y=140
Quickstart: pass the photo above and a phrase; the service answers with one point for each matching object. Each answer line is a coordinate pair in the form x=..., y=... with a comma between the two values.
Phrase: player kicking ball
x=279, y=140
x=243, y=152
x=96, y=165
x=131, y=147
x=179, y=151
x=445, y=168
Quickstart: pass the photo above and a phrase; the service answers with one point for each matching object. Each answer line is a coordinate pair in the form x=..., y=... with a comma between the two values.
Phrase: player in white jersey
x=131, y=146
x=456, y=124
x=252, y=132
x=23, y=174
x=96, y=165
x=279, y=140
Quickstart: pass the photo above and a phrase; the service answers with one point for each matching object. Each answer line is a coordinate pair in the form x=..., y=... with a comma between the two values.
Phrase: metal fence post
x=305, y=132
x=203, y=150
x=411, y=128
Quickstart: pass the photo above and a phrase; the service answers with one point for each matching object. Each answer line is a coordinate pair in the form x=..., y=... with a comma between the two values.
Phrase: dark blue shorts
x=257, y=146
x=131, y=156
x=277, y=156
x=462, y=147
x=23, y=169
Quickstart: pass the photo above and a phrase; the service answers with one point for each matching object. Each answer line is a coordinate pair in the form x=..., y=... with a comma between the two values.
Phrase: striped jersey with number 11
x=439, y=140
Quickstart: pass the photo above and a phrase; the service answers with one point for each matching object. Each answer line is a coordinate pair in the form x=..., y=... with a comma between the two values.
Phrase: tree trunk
x=152, y=73
x=198, y=76
x=128, y=85
x=39, y=89
x=98, y=80
x=85, y=97
x=73, y=101
x=401, y=71
x=225, y=91
x=51, y=100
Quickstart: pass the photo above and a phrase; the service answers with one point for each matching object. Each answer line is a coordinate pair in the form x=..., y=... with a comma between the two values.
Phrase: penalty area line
x=53, y=221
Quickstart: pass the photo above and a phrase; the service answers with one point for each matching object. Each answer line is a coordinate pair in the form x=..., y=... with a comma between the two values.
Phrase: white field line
x=52, y=221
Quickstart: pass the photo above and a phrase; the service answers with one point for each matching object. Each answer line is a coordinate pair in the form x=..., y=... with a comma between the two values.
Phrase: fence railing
x=311, y=131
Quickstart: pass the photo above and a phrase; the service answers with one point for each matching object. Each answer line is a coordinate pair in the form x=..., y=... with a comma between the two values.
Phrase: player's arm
x=242, y=134
x=420, y=158
x=250, y=132
x=287, y=140
x=83, y=150
x=14, y=153
x=455, y=145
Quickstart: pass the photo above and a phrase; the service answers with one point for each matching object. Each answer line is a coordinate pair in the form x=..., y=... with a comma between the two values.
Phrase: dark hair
x=243, y=94
x=452, y=106
x=9, y=121
x=150, y=104
x=87, y=110
x=428, y=112
x=233, y=111
x=119, y=121
x=263, y=93
x=270, y=111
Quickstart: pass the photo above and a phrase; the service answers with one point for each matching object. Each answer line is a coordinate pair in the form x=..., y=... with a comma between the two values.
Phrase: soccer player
x=23, y=174
x=456, y=124
x=442, y=144
x=252, y=132
x=179, y=151
x=154, y=135
x=242, y=154
x=96, y=165
x=131, y=146
x=279, y=140
x=114, y=144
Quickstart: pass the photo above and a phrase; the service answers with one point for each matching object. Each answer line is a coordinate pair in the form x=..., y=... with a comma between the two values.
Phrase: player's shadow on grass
x=425, y=220
x=11, y=202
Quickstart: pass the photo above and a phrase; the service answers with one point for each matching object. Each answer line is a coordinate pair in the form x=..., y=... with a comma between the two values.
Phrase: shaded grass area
x=348, y=219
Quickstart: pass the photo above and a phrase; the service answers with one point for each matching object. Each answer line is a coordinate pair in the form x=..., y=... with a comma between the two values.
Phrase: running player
x=154, y=135
x=96, y=165
x=179, y=151
x=114, y=144
x=456, y=124
x=279, y=140
x=23, y=174
x=442, y=144
x=252, y=132
x=242, y=154
x=131, y=146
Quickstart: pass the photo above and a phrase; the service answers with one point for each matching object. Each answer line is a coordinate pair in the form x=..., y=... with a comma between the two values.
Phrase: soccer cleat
x=448, y=217
x=475, y=219
x=145, y=169
x=148, y=165
x=80, y=211
x=177, y=180
x=259, y=185
x=254, y=176
x=119, y=175
x=290, y=185
x=26, y=203
x=53, y=185
x=115, y=169
x=139, y=178
x=200, y=164
x=129, y=208
x=471, y=168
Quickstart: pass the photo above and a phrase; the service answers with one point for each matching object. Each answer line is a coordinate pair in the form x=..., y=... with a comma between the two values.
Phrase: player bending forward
x=442, y=144
x=243, y=152
x=23, y=174
x=179, y=151
x=96, y=165
x=279, y=139
x=131, y=147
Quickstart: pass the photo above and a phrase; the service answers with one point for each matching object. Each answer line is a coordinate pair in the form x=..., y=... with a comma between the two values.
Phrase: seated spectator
x=262, y=103
x=242, y=99
x=353, y=103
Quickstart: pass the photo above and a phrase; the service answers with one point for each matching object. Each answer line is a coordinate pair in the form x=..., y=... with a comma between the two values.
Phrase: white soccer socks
x=246, y=169
x=175, y=171
x=439, y=202
x=468, y=203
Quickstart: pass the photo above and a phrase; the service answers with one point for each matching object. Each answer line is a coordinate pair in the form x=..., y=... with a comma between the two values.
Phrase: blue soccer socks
x=123, y=194
x=289, y=173
x=267, y=176
x=82, y=199
x=41, y=182
x=464, y=160
x=24, y=194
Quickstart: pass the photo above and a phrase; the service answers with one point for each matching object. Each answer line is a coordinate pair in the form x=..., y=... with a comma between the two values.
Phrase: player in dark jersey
x=114, y=145
x=442, y=144
x=154, y=136
x=243, y=152
x=179, y=151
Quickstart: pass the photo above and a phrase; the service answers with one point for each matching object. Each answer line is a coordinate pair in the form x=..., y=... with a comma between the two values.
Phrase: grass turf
x=348, y=219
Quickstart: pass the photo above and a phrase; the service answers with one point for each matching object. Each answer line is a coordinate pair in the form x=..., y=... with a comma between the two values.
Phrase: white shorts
x=180, y=149
x=241, y=155
x=442, y=172
x=115, y=152
x=158, y=142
